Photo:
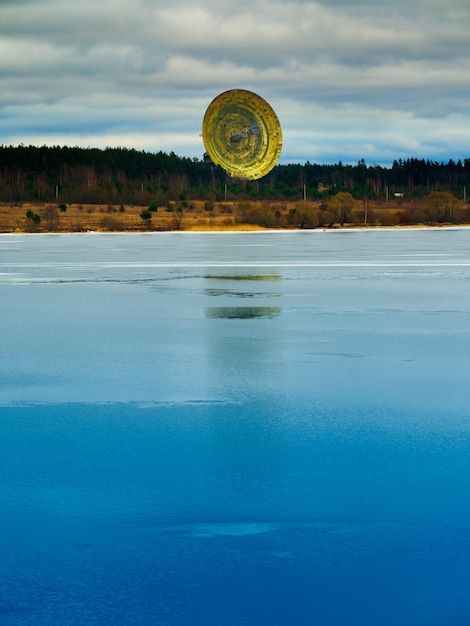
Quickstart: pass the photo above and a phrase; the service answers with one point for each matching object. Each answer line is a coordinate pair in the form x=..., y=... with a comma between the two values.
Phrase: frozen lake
x=256, y=429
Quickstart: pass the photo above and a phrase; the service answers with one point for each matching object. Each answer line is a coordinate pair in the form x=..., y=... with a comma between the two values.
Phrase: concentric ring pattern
x=242, y=134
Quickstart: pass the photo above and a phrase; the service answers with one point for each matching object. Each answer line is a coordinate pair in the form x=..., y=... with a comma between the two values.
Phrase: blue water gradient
x=246, y=429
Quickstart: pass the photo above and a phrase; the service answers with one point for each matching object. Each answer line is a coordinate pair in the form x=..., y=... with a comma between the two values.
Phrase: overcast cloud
x=349, y=79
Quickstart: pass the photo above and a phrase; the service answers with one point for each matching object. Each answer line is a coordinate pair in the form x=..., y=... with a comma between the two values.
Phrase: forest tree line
x=129, y=176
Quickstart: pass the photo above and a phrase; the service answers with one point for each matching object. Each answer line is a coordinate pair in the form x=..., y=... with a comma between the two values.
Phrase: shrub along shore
x=338, y=211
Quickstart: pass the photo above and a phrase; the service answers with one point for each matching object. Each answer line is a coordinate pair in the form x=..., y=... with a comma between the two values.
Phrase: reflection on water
x=242, y=312
x=240, y=294
x=269, y=276
x=243, y=352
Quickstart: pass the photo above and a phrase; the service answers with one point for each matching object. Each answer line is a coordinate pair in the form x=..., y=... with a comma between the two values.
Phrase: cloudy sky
x=348, y=79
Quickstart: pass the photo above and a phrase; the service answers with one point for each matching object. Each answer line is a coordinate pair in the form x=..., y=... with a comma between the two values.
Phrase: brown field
x=107, y=218
x=224, y=216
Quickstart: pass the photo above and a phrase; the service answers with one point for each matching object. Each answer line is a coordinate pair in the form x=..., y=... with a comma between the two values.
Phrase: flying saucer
x=242, y=134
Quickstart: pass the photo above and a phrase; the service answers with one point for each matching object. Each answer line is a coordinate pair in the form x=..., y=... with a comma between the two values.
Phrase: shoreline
x=235, y=231
x=217, y=217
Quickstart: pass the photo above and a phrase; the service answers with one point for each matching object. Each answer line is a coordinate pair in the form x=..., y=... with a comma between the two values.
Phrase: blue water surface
x=235, y=428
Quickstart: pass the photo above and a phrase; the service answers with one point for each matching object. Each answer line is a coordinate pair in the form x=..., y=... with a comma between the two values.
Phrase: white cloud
x=371, y=79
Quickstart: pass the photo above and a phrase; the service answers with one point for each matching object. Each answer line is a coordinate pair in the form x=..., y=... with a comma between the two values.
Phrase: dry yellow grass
x=83, y=217
x=108, y=218
x=220, y=224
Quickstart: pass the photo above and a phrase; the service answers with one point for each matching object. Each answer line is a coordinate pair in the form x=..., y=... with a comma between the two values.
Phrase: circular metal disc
x=242, y=134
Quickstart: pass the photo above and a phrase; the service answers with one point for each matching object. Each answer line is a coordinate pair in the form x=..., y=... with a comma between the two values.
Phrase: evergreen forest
x=129, y=176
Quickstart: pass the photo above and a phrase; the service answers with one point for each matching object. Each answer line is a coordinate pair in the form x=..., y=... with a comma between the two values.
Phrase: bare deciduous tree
x=341, y=206
x=440, y=206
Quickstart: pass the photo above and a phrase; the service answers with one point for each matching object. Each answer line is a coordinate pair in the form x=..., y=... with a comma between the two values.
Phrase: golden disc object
x=242, y=134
